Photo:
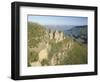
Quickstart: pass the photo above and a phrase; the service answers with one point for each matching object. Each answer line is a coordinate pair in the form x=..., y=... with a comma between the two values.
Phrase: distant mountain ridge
x=74, y=29
x=63, y=27
x=59, y=27
x=78, y=32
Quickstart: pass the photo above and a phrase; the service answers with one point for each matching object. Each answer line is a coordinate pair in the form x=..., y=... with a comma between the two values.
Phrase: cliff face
x=55, y=35
x=49, y=47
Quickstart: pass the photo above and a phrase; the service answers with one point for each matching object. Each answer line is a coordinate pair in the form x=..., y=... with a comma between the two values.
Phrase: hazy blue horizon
x=58, y=20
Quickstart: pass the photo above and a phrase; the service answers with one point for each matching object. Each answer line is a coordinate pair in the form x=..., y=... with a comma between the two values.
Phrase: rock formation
x=56, y=35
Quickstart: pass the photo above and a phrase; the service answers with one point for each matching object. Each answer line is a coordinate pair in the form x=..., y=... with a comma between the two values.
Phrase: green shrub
x=78, y=55
x=45, y=62
x=32, y=56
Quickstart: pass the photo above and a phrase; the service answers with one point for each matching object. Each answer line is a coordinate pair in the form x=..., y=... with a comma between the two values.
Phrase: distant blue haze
x=58, y=20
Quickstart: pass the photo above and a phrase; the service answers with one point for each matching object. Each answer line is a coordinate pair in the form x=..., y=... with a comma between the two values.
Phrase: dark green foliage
x=45, y=62
x=32, y=56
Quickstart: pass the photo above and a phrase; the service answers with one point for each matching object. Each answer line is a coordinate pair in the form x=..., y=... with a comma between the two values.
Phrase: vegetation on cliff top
x=59, y=52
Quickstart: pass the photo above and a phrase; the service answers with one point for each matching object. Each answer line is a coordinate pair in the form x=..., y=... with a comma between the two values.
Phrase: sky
x=58, y=20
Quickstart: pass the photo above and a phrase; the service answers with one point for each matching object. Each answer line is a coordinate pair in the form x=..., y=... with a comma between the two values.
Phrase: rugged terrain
x=47, y=47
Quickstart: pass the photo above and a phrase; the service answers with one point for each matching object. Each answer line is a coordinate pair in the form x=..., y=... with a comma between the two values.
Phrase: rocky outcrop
x=49, y=47
x=56, y=35
x=48, y=41
x=43, y=54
